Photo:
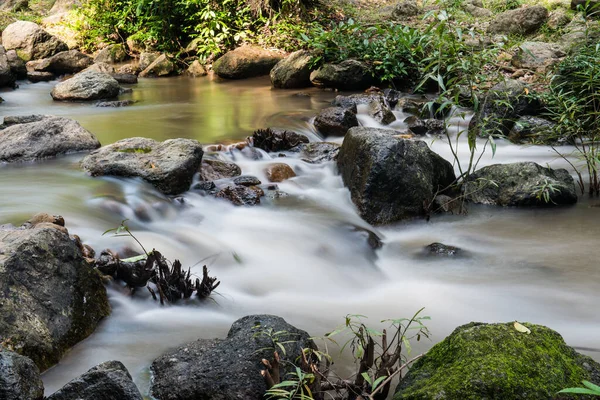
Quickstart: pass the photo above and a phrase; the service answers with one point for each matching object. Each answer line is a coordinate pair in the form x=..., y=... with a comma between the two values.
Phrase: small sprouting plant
x=118, y=232
x=278, y=339
x=544, y=191
x=589, y=388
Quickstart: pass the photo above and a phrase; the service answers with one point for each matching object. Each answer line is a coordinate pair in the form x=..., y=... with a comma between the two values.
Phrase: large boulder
x=246, y=62
x=65, y=62
x=107, y=381
x=7, y=78
x=161, y=66
x=538, y=55
x=522, y=21
x=19, y=377
x=347, y=75
x=33, y=137
x=272, y=139
x=390, y=178
x=228, y=368
x=520, y=184
x=87, y=85
x=497, y=361
x=293, y=71
x=335, y=121
x=30, y=41
x=111, y=54
x=169, y=166
x=51, y=297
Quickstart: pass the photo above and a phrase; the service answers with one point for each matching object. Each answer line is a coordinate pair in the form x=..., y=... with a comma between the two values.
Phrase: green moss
x=495, y=361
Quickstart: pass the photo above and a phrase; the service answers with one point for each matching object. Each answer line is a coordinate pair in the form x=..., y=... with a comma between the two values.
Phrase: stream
x=304, y=257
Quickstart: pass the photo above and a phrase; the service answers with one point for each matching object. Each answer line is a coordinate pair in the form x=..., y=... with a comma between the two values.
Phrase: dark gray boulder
x=107, y=381
x=335, y=121
x=51, y=297
x=65, y=62
x=389, y=178
x=347, y=75
x=212, y=170
x=293, y=71
x=520, y=184
x=230, y=368
x=522, y=21
x=7, y=77
x=87, y=85
x=272, y=139
x=169, y=166
x=19, y=377
x=422, y=127
x=33, y=137
x=246, y=62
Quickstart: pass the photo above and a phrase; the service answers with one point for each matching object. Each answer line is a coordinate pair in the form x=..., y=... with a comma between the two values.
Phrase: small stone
x=247, y=180
x=279, y=172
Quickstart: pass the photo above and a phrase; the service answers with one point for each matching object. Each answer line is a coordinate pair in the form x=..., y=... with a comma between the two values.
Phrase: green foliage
x=502, y=5
x=544, y=191
x=589, y=388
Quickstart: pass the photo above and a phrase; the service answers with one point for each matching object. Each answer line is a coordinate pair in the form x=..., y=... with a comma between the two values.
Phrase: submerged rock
x=496, y=361
x=169, y=166
x=389, y=178
x=228, y=368
x=30, y=41
x=347, y=75
x=87, y=85
x=272, y=139
x=212, y=170
x=65, y=62
x=293, y=71
x=520, y=184
x=107, y=381
x=115, y=103
x=442, y=250
x=51, y=297
x=33, y=137
x=246, y=62
x=522, y=21
x=335, y=121
x=19, y=377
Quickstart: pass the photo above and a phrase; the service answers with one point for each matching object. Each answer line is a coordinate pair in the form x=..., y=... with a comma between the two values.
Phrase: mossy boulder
x=496, y=361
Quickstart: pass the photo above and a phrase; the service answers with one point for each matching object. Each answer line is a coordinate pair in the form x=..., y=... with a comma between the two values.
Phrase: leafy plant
x=589, y=388
x=544, y=191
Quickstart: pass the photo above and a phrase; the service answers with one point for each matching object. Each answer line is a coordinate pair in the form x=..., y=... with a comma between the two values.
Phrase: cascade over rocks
x=335, y=121
x=347, y=75
x=87, y=85
x=107, y=381
x=520, y=184
x=389, y=178
x=496, y=361
x=169, y=166
x=19, y=377
x=65, y=62
x=522, y=21
x=51, y=297
x=246, y=62
x=27, y=138
x=30, y=41
x=227, y=368
x=293, y=71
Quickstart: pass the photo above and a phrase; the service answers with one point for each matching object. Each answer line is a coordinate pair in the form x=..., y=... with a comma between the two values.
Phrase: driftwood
x=165, y=283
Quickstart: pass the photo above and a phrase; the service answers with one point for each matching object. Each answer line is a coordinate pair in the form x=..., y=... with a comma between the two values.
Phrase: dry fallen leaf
x=522, y=328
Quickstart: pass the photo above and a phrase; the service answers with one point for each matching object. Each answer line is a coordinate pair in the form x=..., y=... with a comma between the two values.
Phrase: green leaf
x=377, y=382
x=591, y=386
x=367, y=378
x=580, y=391
x=135, y=259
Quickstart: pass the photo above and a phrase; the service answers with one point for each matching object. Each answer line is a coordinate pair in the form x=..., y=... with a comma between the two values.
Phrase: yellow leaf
x=526, y=91
x=522, y=328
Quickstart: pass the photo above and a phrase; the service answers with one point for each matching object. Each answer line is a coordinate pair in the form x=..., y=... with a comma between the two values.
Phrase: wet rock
x=205, y=186
x=169, y=166
x=116, y=103
x=212, y=170
x=65, y=62
x=196, y=69
x=147, y=58
x=422, y=127
x=35, y=76
x=17, y=66
x=33, y=137
x=405, y=8
x=87, y=85
x=246, y=62
x=380, y=111
x=125, y=78
x=520, y=184
x=347, y=75
x=19, y=377
x=318, y=152
x=480, y=361
x=293, y=71
x=532, y=130
x=161, y=66
x=335, y=121
x=279, y=172
x=272, y=139
x=107, y=381
x=537, y=55
x=52, y=296
x=442, y=250
x=522, y=21
x=241, y=195
x=111, y=54
x=30, y=41
x=389, y=178
x=247, y=180
x=204, y=369
x=7, y=78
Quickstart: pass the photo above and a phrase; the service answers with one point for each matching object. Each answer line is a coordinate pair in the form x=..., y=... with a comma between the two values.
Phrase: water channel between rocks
x=300, y=257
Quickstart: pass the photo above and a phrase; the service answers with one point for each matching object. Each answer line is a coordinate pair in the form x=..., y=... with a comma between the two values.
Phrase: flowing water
x=304, y=257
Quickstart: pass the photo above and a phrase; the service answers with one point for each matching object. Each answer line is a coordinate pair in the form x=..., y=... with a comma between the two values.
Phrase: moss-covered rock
x=495, y=361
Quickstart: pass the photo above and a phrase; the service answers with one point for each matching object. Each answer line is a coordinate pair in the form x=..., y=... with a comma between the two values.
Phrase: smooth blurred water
x=304, y=257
